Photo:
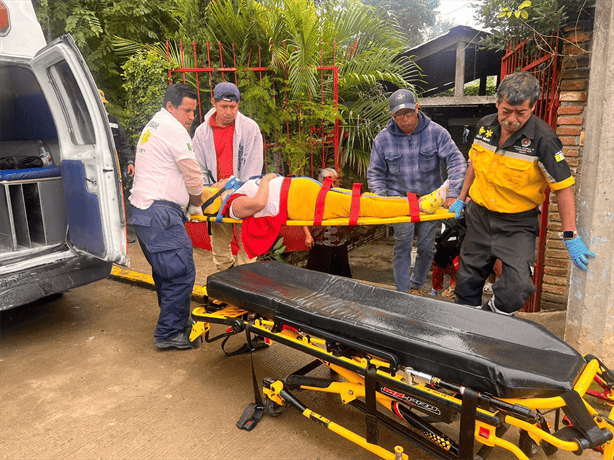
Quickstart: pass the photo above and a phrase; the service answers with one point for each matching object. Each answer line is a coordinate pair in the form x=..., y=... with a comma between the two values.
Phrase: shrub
x=145, y=82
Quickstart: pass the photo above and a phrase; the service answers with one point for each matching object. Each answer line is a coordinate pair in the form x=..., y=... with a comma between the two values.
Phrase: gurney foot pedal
x=251, y=416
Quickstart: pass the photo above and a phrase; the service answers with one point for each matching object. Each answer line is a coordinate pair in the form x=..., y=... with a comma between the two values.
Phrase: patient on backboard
x=265, y=204
x=261, y=198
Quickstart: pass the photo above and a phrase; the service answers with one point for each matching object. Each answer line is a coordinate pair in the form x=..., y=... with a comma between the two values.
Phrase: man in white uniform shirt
x=166, y=181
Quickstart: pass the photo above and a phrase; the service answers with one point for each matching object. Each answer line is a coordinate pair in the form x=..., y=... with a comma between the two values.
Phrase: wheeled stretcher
x=411, y=363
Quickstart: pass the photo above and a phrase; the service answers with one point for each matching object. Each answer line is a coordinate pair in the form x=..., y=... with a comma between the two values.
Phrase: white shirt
x=163, y=143
x=250, y=188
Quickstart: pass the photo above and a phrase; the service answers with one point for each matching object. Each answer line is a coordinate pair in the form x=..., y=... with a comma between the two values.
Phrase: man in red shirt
x=226, y=144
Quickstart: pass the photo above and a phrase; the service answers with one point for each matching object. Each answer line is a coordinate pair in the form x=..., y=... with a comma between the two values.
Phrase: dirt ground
x=80, y=378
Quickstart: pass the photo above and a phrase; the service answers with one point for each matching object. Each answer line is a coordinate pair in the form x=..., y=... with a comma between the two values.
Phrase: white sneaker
x=434, y=292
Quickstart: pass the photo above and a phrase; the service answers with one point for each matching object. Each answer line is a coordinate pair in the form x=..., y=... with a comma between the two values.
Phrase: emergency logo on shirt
x=559, y=156
x=145, y=137
x=487, y=133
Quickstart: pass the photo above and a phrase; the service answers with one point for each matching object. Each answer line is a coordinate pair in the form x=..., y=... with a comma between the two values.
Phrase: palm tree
x=295, y=38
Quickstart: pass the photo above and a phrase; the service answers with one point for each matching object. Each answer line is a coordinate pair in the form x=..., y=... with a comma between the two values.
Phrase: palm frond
x=126, y=47
x=294, y=38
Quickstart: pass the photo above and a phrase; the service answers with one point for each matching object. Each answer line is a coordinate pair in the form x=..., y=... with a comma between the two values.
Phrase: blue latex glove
x=578, y=252
x=457, y=208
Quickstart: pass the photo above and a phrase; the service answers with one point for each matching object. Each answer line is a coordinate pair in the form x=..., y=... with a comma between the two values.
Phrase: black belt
x=168, y=203
x=529, y=213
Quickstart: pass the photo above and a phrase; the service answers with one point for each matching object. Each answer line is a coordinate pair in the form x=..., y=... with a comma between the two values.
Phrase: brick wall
x=573, y=92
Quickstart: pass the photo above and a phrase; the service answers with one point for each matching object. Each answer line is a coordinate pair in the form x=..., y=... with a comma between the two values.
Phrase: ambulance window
x=77, y=115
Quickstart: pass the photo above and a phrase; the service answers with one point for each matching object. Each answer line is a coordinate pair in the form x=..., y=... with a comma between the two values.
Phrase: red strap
x=283, y=199
x=355, y=205
x=317, y=219
x=414, y=208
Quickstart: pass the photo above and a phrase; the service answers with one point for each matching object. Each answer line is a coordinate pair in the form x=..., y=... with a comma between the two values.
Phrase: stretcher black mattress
x=504, y=356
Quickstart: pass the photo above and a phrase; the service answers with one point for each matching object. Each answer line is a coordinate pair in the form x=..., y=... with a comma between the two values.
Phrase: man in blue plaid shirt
x=405, y=158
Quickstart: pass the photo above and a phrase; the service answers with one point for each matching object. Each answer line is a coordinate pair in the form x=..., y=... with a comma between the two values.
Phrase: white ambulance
x=62, y=218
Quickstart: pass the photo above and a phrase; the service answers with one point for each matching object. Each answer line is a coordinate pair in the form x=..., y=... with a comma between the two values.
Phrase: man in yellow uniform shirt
x=514, y=157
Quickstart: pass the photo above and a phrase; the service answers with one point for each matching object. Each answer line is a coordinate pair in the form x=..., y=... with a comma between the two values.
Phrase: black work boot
x=180, y=340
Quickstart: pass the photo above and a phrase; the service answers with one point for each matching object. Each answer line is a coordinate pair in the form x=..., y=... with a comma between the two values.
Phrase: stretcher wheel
x=274, y=409
x=527, y=445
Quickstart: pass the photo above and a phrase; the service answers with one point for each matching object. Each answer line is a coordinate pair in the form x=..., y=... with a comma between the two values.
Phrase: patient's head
x=328, y=172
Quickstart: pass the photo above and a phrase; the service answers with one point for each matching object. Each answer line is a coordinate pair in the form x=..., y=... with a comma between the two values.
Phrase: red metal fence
x=545, y=66
x=322, y=137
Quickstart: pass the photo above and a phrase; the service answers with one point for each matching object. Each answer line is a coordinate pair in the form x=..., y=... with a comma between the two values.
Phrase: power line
x=459, y=8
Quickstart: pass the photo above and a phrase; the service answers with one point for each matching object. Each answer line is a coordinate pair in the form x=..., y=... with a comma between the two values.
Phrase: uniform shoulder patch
x=145, y=137
x=559, y=156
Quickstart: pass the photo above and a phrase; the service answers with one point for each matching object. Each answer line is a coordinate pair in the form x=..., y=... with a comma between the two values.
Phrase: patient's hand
x=221, y=183
x=308, y=237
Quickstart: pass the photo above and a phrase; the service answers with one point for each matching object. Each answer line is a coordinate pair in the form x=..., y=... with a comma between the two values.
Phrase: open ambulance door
x=89, y=165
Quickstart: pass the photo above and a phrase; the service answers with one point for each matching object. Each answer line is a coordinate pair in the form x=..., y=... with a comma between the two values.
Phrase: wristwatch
x=569, y=235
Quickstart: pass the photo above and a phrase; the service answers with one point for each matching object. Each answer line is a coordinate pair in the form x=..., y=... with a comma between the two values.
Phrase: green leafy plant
x=473, y=88
x=512, y=21
x=258, y=100
x=294, y=38
x=94, y=24
x=521, y=12
x=145, y=82
x=276, y=252
x=413, y=16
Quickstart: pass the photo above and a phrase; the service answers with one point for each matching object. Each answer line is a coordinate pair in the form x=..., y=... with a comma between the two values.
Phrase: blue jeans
x=403, y=244
x=168, y=249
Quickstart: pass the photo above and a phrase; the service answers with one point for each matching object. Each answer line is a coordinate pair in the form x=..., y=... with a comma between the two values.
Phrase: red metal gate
x=322, y=138
x=543, y=65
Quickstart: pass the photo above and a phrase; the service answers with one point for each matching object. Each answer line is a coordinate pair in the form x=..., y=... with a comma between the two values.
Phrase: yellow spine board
x=439, y=215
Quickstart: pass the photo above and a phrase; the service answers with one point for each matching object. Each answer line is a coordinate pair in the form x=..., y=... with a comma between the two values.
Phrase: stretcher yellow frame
x=440, y=214
x=353, y=369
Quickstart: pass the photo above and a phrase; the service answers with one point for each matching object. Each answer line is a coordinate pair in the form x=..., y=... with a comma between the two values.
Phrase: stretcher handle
x=582, y=384
x=606, y=373
x=487, y=401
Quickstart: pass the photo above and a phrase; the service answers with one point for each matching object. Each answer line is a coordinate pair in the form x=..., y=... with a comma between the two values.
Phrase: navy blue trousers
x=168, y=249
